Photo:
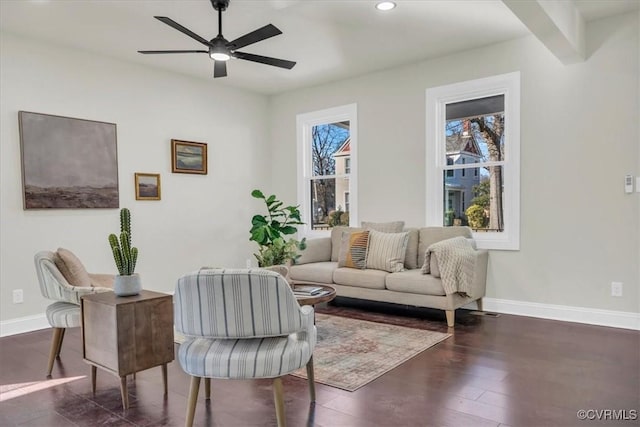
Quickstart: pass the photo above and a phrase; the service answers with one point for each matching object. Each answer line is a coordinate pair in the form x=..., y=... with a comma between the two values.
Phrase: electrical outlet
x=248, y=263
x=616, y=289
x=18, y=296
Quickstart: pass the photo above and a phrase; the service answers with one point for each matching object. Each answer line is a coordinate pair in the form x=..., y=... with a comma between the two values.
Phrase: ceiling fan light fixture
x=385, y=5
x=219, y=56
x=218, y=50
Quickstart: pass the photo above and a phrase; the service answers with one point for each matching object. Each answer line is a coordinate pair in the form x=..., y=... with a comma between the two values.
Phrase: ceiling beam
x=558, y=24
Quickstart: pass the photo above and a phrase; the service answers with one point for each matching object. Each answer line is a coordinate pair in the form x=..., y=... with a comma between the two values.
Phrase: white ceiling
x=329, y=39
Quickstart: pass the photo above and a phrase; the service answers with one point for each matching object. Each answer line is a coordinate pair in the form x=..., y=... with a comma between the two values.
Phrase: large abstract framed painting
x=188, y=157
x=68, y=163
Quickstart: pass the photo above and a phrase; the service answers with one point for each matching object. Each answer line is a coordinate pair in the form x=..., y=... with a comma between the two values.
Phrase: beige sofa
x=319, y=265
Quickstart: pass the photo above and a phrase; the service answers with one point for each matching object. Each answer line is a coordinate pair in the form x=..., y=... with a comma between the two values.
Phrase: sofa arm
x=479, y=283
x=318, y=250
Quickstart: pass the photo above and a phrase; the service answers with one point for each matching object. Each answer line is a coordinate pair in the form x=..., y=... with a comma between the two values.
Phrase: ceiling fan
x=220, y=49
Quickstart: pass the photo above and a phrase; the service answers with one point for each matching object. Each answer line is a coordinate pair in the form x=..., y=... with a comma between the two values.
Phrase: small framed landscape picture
x=188, y=157
x=147, y=186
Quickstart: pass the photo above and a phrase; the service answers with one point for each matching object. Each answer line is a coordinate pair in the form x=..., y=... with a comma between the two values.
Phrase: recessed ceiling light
x=385, y=5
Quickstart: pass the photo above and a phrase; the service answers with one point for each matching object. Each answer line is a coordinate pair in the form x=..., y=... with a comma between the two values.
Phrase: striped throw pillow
x=353, y=249
x=387, y=251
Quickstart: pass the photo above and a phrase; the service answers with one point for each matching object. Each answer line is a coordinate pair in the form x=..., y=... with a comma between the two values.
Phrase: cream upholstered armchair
x=62, y=278
x=241, y=324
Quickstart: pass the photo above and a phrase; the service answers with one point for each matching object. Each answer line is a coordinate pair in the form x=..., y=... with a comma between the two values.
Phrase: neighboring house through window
x=327, y=168
x=476, y=125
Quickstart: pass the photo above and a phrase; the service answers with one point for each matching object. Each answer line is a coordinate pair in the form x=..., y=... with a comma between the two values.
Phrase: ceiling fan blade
x=282, y=63
x=170, y=22
x=172, y=51
x=260, y=34
x=219, y=68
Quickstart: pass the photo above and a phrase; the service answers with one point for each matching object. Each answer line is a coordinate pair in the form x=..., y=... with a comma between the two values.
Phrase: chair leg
x=60, y=343
x=56, y=343
x=479, y=304
x=193, y=399
x=451, y=318
x=278, y=399
x=124, y=392
x=311, y=380
x=207, y=388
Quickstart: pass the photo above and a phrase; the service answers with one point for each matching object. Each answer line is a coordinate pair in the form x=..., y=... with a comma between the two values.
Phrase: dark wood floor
x=494, y=371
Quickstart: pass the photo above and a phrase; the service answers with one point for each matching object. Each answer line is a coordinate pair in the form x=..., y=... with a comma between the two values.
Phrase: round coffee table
x=313, y=300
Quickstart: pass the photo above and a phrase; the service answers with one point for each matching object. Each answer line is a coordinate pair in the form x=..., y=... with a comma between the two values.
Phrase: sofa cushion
x=372, y=279
x=353, y=249
x=336, y=240
x=413, y=281
x=387, y=251
x=431, y=235
x=318, y=272
x=385, y=227
x=411, y=258
x=318, y=250
x=71, y=268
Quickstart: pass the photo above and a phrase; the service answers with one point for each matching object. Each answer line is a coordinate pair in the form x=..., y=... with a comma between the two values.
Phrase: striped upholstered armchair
x=65, y=312
x=240, y=324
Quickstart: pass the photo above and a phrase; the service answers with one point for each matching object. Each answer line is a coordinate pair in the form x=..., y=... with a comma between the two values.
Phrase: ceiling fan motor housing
x=220, y=4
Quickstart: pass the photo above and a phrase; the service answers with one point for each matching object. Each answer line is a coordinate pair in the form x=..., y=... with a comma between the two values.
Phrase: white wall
x=201, y=220
x=579, y=138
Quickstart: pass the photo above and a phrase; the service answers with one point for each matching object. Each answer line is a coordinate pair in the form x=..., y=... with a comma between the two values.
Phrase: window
x=476, y=125
x=327, y=142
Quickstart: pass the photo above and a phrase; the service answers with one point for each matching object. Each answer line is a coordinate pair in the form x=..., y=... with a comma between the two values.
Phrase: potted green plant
x=270, y=232
x=127, y=282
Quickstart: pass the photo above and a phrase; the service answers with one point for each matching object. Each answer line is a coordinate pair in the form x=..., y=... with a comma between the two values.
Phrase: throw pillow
x=387, y=251
x=71, y=268
x=385, y=227
x=353, y=249
x=336, y=240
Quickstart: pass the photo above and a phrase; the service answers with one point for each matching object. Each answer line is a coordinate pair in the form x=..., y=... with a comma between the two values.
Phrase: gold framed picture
x=147, y=186
x=188, y=157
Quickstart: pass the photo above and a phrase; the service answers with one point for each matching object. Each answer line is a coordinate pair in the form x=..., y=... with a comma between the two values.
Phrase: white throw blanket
x=456, y=261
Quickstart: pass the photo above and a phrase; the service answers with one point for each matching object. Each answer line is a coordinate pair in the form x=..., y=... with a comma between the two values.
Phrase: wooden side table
x=125, y=335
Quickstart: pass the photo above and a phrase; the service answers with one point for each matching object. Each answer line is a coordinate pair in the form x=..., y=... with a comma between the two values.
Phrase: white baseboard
x=591, y=316
x=21, y=325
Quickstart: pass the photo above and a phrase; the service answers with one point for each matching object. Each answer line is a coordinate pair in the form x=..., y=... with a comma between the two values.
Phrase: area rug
x=351, y=353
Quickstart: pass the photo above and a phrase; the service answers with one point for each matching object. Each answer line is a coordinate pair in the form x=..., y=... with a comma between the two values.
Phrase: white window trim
x=437, y=98
x=304, y=123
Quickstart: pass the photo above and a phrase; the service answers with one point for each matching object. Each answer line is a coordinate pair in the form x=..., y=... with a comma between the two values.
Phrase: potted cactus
x=126, y=282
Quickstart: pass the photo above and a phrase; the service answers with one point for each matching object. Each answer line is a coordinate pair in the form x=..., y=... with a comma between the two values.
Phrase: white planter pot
x=127, y=285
